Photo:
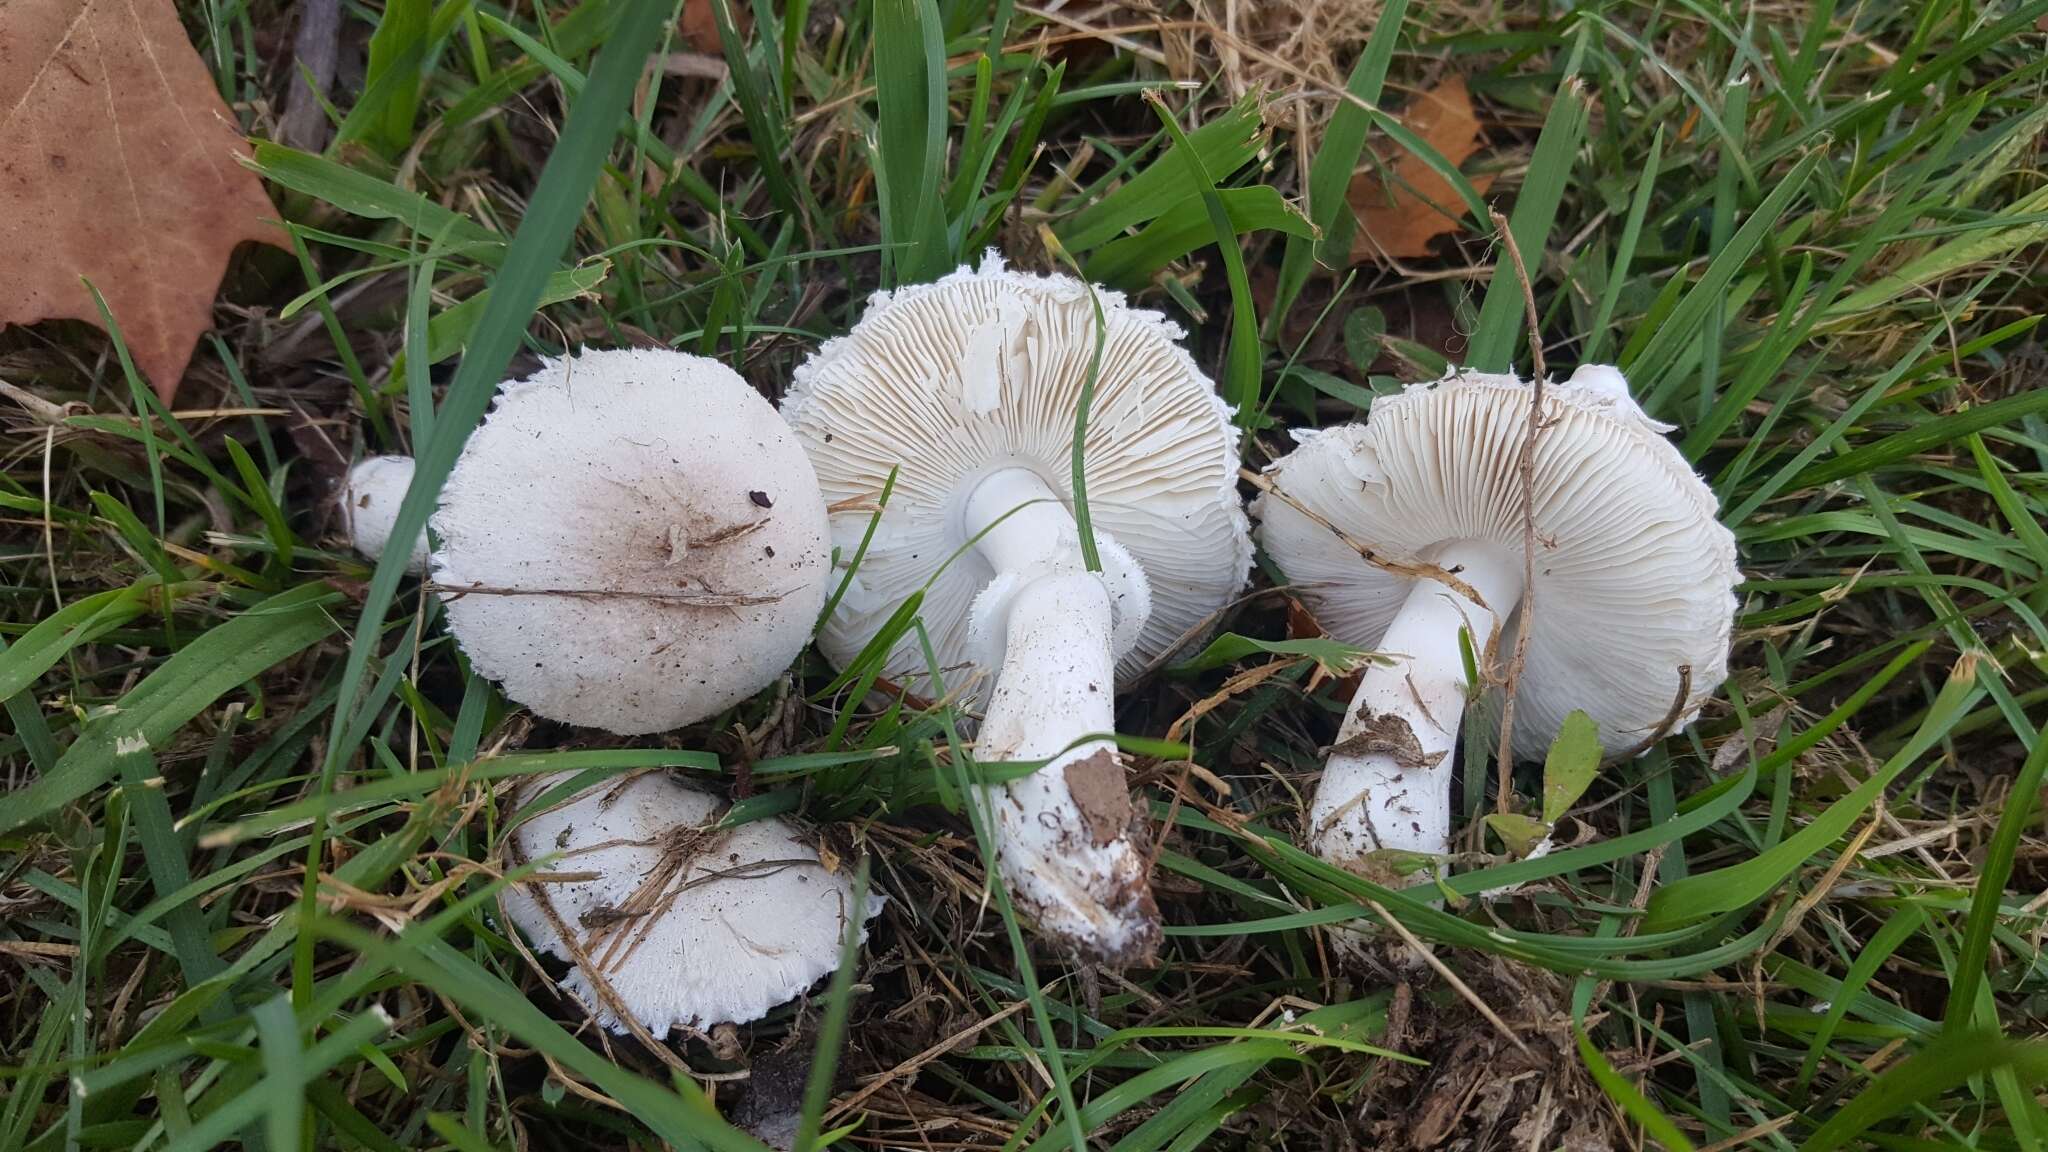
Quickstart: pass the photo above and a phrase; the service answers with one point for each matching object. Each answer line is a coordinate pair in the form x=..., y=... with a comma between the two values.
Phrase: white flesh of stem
x=1064, y=842
x=1388, y=783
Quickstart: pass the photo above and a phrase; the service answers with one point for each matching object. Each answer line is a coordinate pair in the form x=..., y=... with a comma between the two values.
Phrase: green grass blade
x=1329, y=173
x=215, y=663
x=910, y=138
x=1243, y=357
x=1503, y=316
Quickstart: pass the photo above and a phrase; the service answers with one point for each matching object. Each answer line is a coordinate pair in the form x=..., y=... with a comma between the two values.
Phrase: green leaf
x=448, y=332
x=1679, y=329
x=363, y=195
x=1131, y=261
x=1364, y=330
x=1520, y=833
x=216, y=663
x=910, y=138
x=1948, y=1061
x=383, y=115
x=1503, y=316
x=1739, y=885
x=1950, y=258
x=1989, y=884
x=1336, y=158
x=1655, y=1123
x=1573, y=761
x=1230, y=647
x=1243, y=356
x=1222, y=146
x=79, y=622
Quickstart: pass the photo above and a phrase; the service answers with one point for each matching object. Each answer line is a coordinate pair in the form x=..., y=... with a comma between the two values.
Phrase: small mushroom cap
x=369, y=503
x=632, y=541
x=983, y=370
x=1634, y=575
x=690, y=924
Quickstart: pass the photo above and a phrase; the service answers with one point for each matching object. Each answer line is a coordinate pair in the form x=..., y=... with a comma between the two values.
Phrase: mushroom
x=369, y=503
x=1632, y=599
x=971, y=387
x=688, y=923
x=632, y=541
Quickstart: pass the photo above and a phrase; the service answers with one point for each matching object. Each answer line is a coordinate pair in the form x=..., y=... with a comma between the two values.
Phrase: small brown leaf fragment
x=118, y=165
x=1399, y=215
x=1384, y=735
x=1102, y=795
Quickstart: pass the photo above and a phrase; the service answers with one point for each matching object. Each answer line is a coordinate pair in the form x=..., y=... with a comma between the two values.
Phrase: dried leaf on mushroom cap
x=688, y=923
x=1634, y=574
x=369, y=503
x=606, y=553
x=982, y=370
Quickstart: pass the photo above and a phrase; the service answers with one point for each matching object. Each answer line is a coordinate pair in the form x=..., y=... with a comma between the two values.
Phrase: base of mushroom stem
x=1136, y=947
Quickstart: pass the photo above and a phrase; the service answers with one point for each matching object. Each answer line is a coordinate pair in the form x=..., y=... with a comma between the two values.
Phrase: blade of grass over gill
x=910, y=138
x=832, y=1030
x=1502, y=324
x=1078, y=454
x=550, y=221
x=1243, y=357
x=1739, y=885
x=1990, y=881
x=1329, y=173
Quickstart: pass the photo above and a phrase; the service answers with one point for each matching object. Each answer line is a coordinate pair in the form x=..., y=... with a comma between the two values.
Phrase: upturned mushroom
x=1629, y=611
x=670, y=918
x=369, y=502
x=632, y=541
x=971, y=386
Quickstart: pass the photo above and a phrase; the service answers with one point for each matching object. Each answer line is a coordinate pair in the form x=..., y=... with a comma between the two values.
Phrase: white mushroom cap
x=632, y=541
x=369, y=503
x=982, y=371
x=690, y=924
x=1634, y=575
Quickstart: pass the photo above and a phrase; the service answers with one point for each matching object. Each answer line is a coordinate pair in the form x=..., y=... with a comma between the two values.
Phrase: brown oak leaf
x=1400, y=215
x=118, y=164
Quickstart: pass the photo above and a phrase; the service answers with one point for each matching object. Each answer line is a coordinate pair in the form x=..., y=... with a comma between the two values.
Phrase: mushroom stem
x=1065, y=833
x=1017, y=522
x=1387, y=782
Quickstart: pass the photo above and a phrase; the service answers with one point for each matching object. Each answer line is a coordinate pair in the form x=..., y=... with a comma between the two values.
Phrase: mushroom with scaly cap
x=970, y=386
x=1633, y=598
